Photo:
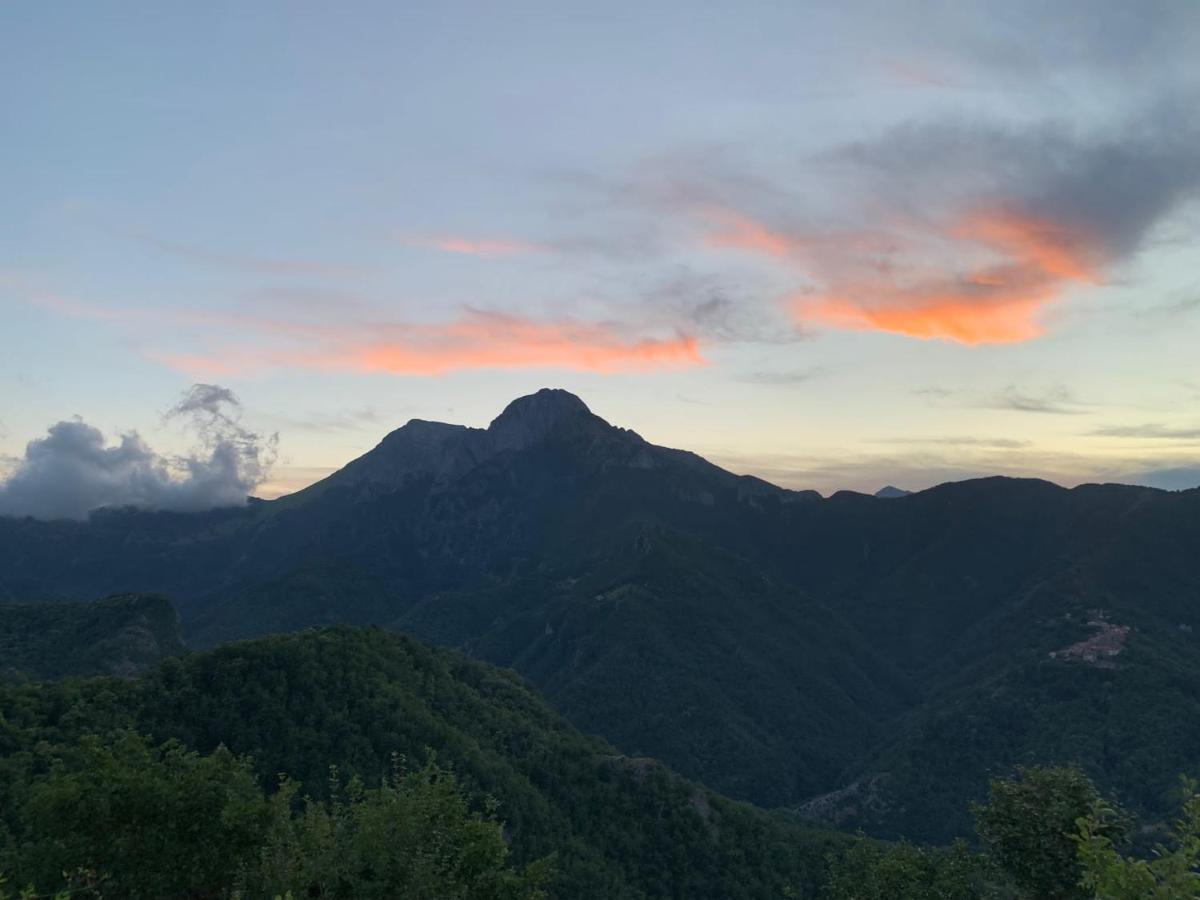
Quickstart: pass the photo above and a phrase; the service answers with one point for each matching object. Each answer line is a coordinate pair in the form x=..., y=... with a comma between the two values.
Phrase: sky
x=836, y=245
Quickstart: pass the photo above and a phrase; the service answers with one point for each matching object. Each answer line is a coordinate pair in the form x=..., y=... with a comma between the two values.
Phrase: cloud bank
x=73, y=469
x=966, y=231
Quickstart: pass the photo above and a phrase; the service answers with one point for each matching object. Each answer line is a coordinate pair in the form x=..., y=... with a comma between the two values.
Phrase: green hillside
x=617, y=826
x=1131, y=721
x=117, y=636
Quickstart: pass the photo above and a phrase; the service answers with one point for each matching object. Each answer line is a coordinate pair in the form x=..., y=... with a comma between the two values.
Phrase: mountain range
x=865, y=660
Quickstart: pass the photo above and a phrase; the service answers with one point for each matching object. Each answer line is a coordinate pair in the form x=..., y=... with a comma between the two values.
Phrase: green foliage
x=870, y=870
x=29, y=893
x=413, y=836
x=120, y=635
x=1173, y=872
x=1027, y=827
x=129, y=820
x=1048, y=836
x=91, y=809
x=620, y=828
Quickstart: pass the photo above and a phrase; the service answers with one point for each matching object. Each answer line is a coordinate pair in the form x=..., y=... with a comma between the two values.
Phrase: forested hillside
x=117, y=636
x=613, y=826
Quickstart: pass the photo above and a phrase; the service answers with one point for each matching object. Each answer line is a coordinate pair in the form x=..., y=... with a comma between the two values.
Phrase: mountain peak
x=891, y=492
x=530, y=418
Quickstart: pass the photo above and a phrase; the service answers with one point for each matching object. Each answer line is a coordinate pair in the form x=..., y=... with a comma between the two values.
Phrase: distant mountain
x=890, y=492
x=118, y=636
x=444, y=454
x=776, y=645
x=619, y=827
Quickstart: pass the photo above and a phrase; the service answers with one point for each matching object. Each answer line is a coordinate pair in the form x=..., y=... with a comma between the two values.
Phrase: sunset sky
x=837, y=245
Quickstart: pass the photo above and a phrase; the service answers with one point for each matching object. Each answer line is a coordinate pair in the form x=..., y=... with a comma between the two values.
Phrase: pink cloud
x=486, y=247
x=497, y=341
x=985, y=276
x=248, y=344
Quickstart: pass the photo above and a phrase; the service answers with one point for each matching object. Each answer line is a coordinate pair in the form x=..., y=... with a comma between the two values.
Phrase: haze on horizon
x=835, y=246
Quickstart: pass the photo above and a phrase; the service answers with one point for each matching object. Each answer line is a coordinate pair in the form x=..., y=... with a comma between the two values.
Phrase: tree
x=412, y=837
x=1028, y=825
x=1172, y=874
x=127, y=819
x=30, y=894
x=871, y=870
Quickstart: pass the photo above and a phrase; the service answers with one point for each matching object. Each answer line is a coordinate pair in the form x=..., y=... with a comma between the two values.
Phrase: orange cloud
x=1053, y=249
x=986, y=277
x=476, y=246
x=739, y=232
x=932, y=316
x=494, y=341
x=1031, y=262
x=475, y=341
x=735, y=231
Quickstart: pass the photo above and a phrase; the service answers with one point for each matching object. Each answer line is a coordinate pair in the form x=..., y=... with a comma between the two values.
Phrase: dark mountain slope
x=117, y=548
x=1132, y=721
x=713, y=662
x=118, y=636
x=620, y=827
x=921, y=577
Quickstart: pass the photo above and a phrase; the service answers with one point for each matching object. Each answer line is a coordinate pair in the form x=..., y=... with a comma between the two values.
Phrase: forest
x=356, y=763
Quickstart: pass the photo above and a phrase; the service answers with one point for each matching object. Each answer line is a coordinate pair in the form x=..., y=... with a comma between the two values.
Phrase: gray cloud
x=1154, y=430
x=937, y=393
x=958, y=440
x=983, y=222
x=1118, y=47
x=1056, y=400
x=73, y=470
x=1053, y=400
x=207, y=403
x=1174, y=308
x=1110, y=185
x=716, y=316
x=716, y=307
x=782, y=378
